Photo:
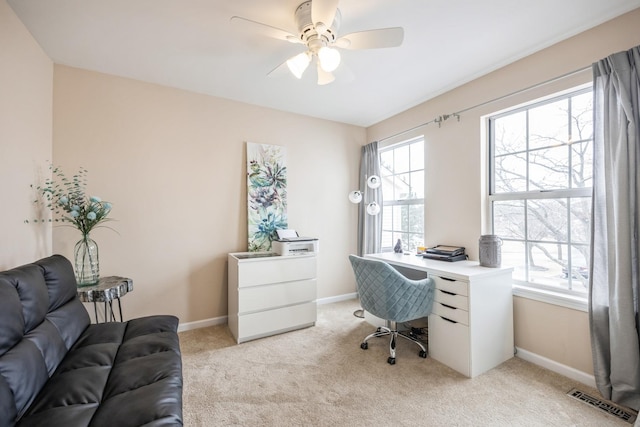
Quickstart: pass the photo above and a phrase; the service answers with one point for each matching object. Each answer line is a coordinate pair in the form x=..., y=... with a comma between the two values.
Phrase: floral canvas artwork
x=266, y=193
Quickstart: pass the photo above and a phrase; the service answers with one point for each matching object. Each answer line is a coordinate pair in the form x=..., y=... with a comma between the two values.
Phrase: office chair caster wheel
x=391, y=360
x=364, y=346
x=422, y=354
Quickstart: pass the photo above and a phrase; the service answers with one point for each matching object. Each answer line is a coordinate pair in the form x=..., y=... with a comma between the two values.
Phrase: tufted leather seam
x=166, y=350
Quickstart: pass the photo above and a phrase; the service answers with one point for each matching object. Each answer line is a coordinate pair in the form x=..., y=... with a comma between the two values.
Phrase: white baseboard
x=337, y=298
x=556, y=367
x=222, y=320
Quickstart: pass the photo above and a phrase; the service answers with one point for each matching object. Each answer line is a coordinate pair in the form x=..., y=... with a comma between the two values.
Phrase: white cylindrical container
x=490, y=250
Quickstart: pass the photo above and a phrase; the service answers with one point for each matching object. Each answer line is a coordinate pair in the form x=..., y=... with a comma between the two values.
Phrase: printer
x=289, y=243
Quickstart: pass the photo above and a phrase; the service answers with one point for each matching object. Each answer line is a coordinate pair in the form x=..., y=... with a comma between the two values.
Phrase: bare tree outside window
x=541, y=178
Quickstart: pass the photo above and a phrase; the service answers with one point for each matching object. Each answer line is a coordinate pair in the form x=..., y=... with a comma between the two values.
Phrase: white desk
x=471, y=326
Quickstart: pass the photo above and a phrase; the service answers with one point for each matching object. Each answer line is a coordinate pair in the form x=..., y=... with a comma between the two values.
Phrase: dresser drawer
x=270, y=322
x=278, y=295
x=454, y=300
x=449, y=312
x=449, y=344
x=276, y=270
x=452, y=286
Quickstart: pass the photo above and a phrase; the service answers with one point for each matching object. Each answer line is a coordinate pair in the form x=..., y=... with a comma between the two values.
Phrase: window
x=540, y=196
x=402, y=173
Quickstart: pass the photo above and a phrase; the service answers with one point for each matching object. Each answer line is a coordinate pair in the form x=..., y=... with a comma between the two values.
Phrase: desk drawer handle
x=448, y=320
x=449, y=306
x=447, y=292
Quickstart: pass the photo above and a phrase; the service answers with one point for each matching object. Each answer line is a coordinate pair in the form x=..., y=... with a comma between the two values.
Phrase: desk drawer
x=452, y=286
x=454, y=300
x=449, y=344
x=272, y=296
x=449, y=312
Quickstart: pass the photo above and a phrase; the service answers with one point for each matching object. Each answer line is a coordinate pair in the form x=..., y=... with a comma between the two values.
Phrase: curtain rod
x=444, y=117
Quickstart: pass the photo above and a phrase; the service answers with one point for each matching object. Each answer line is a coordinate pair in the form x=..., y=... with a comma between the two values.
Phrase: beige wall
x=454, y=211
x=26, y=82
x=172, y=162
x=173, y=165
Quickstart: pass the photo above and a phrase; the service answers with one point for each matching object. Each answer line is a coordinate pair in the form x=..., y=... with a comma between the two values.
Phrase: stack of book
x=445, y=253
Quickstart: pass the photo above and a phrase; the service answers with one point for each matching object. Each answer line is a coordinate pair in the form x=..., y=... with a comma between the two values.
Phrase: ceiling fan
x=318, y=22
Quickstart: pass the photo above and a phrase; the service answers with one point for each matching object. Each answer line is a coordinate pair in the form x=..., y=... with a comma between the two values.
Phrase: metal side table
x=107, y=290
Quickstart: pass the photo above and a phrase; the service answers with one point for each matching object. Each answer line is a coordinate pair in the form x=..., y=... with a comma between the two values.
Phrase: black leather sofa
x=57, y=369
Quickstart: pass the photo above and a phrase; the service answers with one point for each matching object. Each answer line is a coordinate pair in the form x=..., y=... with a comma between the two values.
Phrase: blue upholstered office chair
x=387, y=294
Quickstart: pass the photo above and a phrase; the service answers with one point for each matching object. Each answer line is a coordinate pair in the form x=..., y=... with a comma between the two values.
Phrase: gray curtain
x=614, y=274
x=369, y=226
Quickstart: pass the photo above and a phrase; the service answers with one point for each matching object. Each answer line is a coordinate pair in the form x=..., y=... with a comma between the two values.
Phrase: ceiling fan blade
x=280, y=70
x=263, y=29
x=323, y=11
x=372, y=39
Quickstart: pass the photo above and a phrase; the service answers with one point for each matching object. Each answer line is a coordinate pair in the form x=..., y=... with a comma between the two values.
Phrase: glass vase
x=87, y=264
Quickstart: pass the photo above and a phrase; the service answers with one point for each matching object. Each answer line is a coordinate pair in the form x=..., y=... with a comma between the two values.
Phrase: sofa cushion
x=124, y=374
x=41, y=317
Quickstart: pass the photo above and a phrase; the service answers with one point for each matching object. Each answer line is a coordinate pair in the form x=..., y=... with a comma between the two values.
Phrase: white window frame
x=388, y=202
x=550, y=294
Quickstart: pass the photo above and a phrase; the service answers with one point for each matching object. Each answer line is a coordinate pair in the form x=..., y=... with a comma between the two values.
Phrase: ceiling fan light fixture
x=298, y=64
x=324, y=77
x=329, y=58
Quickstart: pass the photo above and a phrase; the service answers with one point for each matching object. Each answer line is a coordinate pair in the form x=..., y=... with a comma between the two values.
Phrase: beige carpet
x=319, y=376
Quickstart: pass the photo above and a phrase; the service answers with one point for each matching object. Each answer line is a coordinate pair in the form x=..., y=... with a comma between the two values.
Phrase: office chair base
x=393, y=333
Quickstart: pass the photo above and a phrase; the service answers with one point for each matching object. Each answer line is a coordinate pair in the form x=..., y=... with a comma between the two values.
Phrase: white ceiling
x=192, y=45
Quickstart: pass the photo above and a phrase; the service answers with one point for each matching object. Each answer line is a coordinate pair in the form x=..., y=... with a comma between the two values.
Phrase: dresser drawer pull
x=447, y=279
x=447, y=292
x=449, y=306
x=448, y=320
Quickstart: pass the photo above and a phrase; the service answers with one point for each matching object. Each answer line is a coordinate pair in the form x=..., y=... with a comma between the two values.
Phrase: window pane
x=417, y=185
x=387, y=239
x=582, y=165
x=510, y=133
x=548, y=124
x=401, y=187
x=580, y=220
x=580, y=268
x=387, y=217
x=547, y=264
x=513, y=255
x=386, y=163
x=416, y=218
x=416, y=151
x=510, y=173
x=387, y=187
x=508, y=219
x=414, y=241
x=401, y=159
x=549, y=169
x=582, y=117
x=397, y=218
x=547, y=220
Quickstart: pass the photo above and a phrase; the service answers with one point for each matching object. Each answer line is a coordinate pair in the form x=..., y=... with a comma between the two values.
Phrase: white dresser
x=270, y=294
x=471, y=325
